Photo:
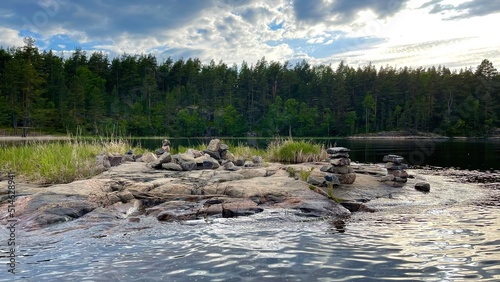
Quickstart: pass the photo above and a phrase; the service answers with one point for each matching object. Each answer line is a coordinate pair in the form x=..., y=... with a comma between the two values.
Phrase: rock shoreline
x=134, y=190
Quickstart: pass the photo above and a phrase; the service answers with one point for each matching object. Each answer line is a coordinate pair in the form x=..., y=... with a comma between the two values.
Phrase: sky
x=452, y=33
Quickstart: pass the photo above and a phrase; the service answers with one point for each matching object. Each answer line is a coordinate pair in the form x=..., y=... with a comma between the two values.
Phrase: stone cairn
x=216, y=154
x=340, y=165
x=396, y=174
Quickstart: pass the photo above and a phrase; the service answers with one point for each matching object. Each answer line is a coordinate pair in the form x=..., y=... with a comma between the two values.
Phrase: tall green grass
x=291, y=151
x=56, y=162
x=247, y=152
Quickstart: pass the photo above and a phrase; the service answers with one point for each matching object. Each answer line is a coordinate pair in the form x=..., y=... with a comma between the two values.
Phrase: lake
x=440, y=244
x=452, y=242
x=482, y=154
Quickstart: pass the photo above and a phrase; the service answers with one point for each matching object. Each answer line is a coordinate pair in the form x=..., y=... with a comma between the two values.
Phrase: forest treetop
x=137, y=95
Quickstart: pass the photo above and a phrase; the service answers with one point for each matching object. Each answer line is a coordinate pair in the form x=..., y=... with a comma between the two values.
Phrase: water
x=482, y=154
x=447, y=240
x=438, y=244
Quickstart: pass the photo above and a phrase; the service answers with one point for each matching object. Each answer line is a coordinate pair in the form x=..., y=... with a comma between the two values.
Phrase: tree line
x=137, y=95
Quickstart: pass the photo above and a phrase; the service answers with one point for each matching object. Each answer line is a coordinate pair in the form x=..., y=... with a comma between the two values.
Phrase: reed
x=292, y=151
x=246, y=152
x=56, y=162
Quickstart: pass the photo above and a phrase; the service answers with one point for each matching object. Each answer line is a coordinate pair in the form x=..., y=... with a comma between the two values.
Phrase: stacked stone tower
x=340, y=165
x=396, y=174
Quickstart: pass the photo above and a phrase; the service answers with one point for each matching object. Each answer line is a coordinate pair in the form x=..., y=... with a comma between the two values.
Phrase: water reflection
x=437, y=245
x=481, y=154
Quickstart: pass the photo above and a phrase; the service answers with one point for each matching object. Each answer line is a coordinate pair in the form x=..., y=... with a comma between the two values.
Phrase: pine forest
x=138, y=95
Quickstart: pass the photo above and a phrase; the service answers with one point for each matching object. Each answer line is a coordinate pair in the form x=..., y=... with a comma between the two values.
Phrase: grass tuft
x=304, y=174
x=290, y=151
x=56, y=162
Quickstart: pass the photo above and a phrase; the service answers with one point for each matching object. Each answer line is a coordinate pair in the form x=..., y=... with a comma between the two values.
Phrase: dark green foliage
x=135, y=94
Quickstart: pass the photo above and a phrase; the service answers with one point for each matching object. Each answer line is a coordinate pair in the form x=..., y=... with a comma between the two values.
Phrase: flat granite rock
x=136, y=189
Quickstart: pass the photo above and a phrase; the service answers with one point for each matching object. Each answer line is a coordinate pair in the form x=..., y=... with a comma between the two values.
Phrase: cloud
x=343, y=12
x=477, y=8
x=469, y=9
x=10, y=38
x=426, y=46
x=321, y=31
x=430, y=3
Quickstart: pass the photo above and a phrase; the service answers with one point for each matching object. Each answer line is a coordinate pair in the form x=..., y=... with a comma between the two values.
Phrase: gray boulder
x=249, y=164
x=184, y=157
x=331, y=178
x=102, y=162
x=160, y=152
x=206, y=162
x=210, y=163
x=148, y=157
x=195, y=153
x=257, y=160
x=214, y=145
x=395, y=166
x=229, y=156
x=231, y=167
x=240, y=162
x=341, y=161
x=347, y=178
x=423, y=186
x=115, y=160
x=339, y=169
x=398, y=173
x=188, y=165
x=171, y=166
x=339, y=155
x=223, y=147
x=214, y=154
x=316, y=180
x=128, y=158
x=165, y=158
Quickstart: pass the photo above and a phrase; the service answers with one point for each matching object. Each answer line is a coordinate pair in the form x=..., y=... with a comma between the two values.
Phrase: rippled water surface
x=449, y=244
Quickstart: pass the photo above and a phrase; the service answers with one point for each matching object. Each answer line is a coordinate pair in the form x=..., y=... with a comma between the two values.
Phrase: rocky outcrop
x=197, y=185
x=137, y=189
x=147, y=157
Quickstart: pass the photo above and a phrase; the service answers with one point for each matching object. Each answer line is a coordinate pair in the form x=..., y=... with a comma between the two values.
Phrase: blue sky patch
x=275, y=25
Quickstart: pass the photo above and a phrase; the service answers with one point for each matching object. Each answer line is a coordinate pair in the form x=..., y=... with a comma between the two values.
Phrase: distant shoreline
x=35, y=138
x=411, y=135
x=369, y=136
x=396, y=137
x=416, y=137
